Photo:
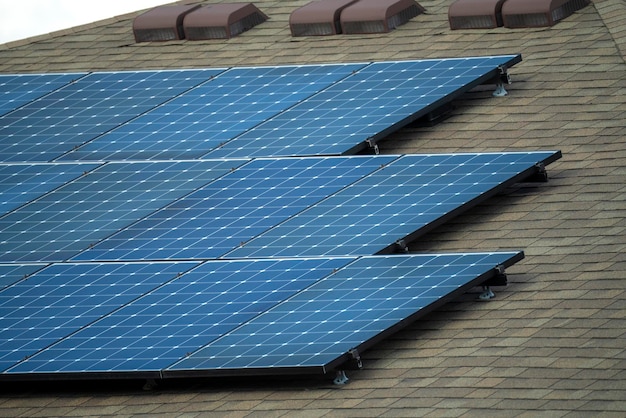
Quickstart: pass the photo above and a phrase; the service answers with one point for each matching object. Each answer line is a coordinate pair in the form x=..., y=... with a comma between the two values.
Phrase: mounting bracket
x=402, y=245
x=373, y=145
x=499, y=278
x=500, y=91
x=504, y=75
x=487, y=294
x=502, y=79
x=340, y=378
x=541, y=174
x=353, y=363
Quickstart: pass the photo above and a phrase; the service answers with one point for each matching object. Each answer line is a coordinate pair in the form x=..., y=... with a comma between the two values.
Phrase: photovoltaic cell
x=18, y=89
x=403, y=198
x=12, y=273
x=23, y=182
x=70, y=116
x=163, y=326
x=60, y=224
x=61, y=299
x=343, y=311
x=248, y=201
x=368, y=105
x=213, y=113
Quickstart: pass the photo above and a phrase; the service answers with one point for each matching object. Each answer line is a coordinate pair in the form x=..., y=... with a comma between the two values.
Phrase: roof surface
x=552, y=343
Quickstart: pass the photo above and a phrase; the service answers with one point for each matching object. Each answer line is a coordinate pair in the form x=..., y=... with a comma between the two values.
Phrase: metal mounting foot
x=487, y=294
x=500, y=91
x=341, y=378
x=373, y=146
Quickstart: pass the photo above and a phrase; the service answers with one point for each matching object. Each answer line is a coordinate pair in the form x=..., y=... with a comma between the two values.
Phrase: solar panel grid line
x=395, y=202
x=234, y=209
x=84, y=109
x=69, y=154
x=63, y=298
x=17, y=90
x=60, y=224
x=13, y=273
x=312, y=211
x=353, y=308
x=343, y=117
x=177, y=317
x=479, y=78
x=462, y=206
x=203, y=118
x=22, y=183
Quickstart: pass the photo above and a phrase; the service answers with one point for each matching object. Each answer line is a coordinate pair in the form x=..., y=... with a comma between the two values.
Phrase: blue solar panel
x=343, y=311
x=12, y=273
x=160, y=328
x=368, y=105
x=60, y=224
x=61, y=299
x=152, y=268
x=18, y=89
x=56, y=123
x=405, y=197
x=215, y=112
x=243, y=204
x=23, y=182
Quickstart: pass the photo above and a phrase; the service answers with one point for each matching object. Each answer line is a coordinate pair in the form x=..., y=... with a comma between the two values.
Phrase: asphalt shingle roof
x=552, y=343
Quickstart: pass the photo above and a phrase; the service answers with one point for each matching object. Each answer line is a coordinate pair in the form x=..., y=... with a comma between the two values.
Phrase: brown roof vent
x=222, y=21
x=475, y=14
x=378, y=16
x=319, y=17
x=536, y=13
x=163, y=23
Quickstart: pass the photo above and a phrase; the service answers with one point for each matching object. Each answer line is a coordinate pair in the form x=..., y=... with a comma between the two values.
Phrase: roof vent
x=475, y=14
x=378, y=16
x=163, y=23
x=222, y=21
x=318, y=18
x=536, y=13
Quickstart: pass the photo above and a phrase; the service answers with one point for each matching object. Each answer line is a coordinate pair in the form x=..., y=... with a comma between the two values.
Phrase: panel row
x=274, y=207
x=328, y=109
x=83, y=319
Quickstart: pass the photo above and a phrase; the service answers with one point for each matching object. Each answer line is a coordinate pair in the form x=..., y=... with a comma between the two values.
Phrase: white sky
x=24, y=18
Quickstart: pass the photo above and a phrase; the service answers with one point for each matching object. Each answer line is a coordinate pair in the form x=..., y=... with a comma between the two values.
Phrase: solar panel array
x=326, y=109
x=161, y=223
x=155, y=319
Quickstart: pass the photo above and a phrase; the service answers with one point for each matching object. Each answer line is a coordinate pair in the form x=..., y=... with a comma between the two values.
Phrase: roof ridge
x=613, y=14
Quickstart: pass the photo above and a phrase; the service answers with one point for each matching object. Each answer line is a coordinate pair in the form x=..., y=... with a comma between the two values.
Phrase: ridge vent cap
x=163, y=23
x=538, y=13
x=378, y=16
x=321, y=17
x=475, y=14
x=222, y=21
